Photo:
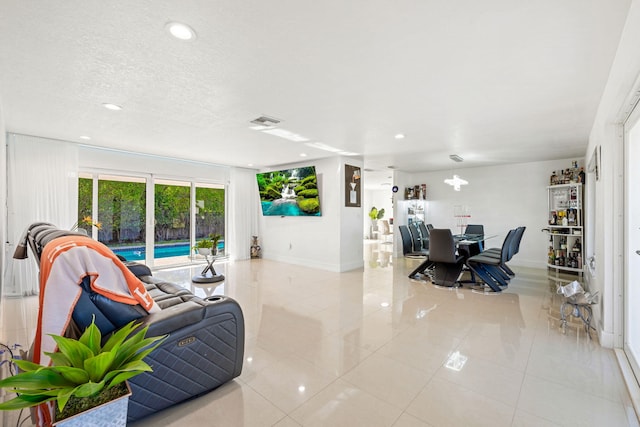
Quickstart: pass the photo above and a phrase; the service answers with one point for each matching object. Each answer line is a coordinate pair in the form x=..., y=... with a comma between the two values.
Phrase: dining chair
x=407, y=244
x=489, y=267
x=447, y=263
x=384, y=231
x=424, y=235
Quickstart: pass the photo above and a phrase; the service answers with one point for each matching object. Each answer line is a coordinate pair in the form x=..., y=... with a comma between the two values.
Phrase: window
x=168, y=224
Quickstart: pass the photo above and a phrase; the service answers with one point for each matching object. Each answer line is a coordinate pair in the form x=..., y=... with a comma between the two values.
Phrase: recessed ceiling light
x=347, y=153
x=399, y=136
x=250, y=164
x=303, y=154
x=85, y=137
x=180, y=31
x=112, y=107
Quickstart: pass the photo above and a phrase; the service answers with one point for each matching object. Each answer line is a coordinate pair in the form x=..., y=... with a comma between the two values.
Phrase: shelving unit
x=413, y=210
x=565, y=229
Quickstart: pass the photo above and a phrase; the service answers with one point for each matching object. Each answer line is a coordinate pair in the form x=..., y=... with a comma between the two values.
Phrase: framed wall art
x=352, y=186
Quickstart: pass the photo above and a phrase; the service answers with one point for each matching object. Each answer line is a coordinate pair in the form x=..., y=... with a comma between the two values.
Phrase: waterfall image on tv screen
x=290, y=192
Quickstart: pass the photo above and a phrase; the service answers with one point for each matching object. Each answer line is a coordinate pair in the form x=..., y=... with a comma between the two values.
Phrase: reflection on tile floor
x=373, y=348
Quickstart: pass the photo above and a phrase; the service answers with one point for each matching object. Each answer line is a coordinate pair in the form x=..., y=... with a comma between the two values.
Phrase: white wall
x=332, y=241
x=499, y=197
x=609, y=213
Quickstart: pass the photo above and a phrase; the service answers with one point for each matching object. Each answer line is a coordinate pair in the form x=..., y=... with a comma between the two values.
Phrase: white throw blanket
x=64, y=263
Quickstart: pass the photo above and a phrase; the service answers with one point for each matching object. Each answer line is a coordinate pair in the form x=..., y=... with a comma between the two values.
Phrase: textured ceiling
x=495, y=81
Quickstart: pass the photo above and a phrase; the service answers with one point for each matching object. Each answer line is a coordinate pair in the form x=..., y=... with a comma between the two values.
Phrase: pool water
x=137, y=253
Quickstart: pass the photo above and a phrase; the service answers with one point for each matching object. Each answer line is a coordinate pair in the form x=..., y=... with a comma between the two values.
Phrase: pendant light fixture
x=456, y=181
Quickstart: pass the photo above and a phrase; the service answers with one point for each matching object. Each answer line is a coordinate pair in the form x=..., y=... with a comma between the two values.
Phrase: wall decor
x=353, y=186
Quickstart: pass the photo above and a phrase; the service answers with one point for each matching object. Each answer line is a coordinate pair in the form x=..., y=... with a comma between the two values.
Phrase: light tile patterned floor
x=370, y=348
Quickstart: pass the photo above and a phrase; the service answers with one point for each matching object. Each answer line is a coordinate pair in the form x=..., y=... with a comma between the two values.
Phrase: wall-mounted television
x=289, y=192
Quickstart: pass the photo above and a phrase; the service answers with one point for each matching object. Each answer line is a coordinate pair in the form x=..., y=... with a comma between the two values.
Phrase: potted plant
x=375, y=215
x=83, y=374
x=204, y=246
x=215, y=238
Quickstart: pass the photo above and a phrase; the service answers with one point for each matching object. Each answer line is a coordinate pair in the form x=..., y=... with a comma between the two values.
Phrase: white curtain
x=243, y=212
x=42, y=185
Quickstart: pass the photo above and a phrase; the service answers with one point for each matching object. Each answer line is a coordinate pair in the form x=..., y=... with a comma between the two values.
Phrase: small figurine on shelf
x=581, y=176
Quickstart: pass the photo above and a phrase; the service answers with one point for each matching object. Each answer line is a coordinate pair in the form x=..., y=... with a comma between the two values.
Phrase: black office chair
x=442, y=252
x=491, y=268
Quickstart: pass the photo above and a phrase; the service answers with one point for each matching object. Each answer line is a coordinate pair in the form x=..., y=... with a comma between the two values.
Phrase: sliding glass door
x=149, y=219
x=632, y=242
x=172, y=225
x=209, y=213
x=122, y=214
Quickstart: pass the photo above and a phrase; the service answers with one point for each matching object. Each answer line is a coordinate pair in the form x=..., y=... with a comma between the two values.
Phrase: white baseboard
x=629, y=379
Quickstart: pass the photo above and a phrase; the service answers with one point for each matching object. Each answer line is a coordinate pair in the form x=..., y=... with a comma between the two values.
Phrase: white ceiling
x=495, y=81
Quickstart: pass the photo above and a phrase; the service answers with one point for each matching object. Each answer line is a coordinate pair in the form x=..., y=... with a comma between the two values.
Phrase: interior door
x=632, y=242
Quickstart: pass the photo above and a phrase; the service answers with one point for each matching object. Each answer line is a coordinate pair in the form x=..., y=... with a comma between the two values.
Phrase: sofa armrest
x=173, y=318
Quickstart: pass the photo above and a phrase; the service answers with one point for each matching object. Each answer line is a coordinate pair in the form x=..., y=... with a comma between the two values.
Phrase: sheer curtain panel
x=243, y=212
x=42, y=185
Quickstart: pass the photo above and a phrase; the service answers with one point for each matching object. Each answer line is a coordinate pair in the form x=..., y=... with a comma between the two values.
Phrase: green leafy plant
x=203, y=244
x=374, y=213
x=215, y=238
x=81, y=368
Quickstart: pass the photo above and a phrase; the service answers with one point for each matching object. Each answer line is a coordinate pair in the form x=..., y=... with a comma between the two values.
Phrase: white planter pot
x=204, y=251
x=111, y=414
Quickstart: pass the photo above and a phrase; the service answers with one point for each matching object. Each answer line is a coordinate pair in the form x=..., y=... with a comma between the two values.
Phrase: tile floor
x=373, y=348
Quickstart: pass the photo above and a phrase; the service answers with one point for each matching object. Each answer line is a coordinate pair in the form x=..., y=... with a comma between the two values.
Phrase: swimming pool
x=137, y=253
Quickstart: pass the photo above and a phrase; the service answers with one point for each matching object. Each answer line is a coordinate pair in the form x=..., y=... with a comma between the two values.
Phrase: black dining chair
x=476, y=229
x=490, y=268
x=514, y=248
x=442, y=253
x=407, y=245
x=416, y=237
x=424, y=235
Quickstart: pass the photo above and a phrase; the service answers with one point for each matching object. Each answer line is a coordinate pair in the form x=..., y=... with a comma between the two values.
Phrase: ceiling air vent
x=264, y=122
x=456, y=158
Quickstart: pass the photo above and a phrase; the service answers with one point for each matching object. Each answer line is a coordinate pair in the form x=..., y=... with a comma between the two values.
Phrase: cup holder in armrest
x=214, y=298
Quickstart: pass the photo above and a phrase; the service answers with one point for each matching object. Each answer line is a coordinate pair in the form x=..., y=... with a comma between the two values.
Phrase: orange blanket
x=65, y=261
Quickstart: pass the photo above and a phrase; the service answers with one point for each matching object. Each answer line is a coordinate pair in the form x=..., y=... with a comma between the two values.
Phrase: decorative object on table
x=255, y=247
x=84, y=376
x=353, y=186
x=204, y=246
x=215, y=239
